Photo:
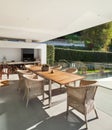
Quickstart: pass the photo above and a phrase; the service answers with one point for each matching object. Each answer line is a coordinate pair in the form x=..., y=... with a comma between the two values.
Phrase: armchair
x=82, y=98
x=34, y=87
x=72, y=70
x=21, y=85
x=57, y=67
x=5, y=69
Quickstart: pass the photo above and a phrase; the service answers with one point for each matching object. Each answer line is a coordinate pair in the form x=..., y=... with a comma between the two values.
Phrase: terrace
x=31, y=24
x=37, y=116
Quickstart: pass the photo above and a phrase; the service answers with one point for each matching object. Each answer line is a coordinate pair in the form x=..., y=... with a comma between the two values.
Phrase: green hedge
x=82, y=55
x=50, y=54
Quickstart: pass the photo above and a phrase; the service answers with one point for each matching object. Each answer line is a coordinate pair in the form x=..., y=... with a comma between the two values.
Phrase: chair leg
x=60, y=86
x=7, y=75
x=0, y=76
x=67, y=110
x=24, y=94
x=96, y=113
x=43, y=97
x=27, y=100
x=86, y=121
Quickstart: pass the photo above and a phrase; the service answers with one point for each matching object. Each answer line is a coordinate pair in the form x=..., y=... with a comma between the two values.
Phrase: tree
x=108, y=36
x=72, y=37
x=98, y=37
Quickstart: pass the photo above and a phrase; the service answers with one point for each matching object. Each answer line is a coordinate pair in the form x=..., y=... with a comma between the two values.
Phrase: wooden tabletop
x=34, y=68
x=57, y=76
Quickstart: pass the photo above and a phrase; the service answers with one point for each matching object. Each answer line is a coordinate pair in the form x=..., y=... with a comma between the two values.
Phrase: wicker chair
x=28, y=66
x=33, y=87
x=0, y=72
x=21, y=86
x=5, y=69
x=72, y=70
x=57, y=67
x=82, y=98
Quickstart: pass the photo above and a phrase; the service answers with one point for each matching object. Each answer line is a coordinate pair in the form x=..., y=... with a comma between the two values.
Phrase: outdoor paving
x=37, y=116
x=106, y=82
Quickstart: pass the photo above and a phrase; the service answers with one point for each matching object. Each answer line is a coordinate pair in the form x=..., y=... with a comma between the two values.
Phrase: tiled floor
x=37, y=116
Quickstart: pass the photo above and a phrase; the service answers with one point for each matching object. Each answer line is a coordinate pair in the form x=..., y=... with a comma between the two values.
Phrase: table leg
x=50, y=93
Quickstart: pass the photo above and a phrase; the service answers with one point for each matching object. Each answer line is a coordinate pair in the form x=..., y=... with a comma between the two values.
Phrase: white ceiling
x=43, y=20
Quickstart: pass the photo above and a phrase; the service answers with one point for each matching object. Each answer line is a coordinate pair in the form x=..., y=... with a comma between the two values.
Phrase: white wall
x=12, y=50
x=10, y=54
x=43, y=54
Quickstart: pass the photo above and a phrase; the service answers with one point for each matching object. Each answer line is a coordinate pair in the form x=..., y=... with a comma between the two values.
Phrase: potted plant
x=45, y=67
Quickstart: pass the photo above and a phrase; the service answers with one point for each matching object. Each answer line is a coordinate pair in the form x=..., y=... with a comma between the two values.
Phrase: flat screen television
x=27, y=54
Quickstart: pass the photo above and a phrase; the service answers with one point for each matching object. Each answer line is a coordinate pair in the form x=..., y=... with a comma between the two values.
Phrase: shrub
x=50, y=54
x=82, y=55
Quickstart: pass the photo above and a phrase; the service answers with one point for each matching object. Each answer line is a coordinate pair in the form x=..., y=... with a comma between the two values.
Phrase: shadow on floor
x=60, y=122
x=15, y=116
x=13, y=113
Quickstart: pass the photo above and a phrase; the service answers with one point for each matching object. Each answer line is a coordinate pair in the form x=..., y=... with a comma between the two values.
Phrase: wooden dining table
x=54, y=75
